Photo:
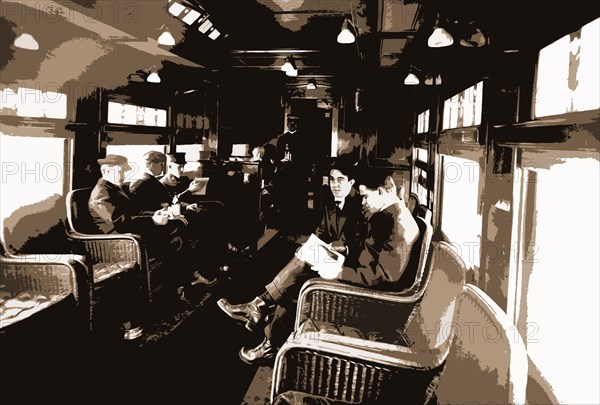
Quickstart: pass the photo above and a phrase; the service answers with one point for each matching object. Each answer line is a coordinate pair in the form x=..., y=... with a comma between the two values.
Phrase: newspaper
x=317, y=253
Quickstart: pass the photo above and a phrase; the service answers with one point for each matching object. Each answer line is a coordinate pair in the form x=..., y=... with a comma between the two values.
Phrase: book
x=315, y=252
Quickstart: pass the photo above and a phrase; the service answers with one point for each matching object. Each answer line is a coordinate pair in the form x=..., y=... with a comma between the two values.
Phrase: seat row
x=439, y=341
x=106, y=284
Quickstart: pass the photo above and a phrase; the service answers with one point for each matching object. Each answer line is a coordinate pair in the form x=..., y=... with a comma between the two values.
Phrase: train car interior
x=163, y=160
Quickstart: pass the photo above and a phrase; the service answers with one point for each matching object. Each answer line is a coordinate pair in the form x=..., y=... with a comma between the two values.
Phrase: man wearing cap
x=113, y=212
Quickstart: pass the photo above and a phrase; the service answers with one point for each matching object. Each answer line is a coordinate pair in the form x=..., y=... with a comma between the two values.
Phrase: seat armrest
x=349, y=305
x=110, y=247
x=45, y=273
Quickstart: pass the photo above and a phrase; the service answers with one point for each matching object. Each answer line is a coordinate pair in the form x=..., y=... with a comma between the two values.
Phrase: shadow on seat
x=487, y=362
x=352, y=307
x=326, y=363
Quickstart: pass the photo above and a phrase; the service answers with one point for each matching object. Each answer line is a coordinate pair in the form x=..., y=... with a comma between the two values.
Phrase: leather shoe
x=263, y=352
x=248, y=313
x=199, y=279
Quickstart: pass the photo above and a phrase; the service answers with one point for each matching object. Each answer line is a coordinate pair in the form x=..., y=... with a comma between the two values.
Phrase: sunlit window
x=33, y=103
x=33, y=184
x=464, y=109
x=129, y=114
x=135, y=156
x=567, y=73
x=419, y=175
x=423, y=122
x=460, y=217
x=560, y=304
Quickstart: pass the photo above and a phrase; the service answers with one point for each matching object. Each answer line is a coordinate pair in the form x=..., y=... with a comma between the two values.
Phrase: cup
x=175, y=210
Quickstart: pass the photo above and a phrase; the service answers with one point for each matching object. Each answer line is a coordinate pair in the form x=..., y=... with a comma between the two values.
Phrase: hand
x=192, y=207
x=160, y=217
x=339, y=247
x=194, y=186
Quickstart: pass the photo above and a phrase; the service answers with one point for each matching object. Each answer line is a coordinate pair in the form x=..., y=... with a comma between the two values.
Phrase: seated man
x=340, y=227
x=148, y=194
x=113, y=212
x=206, y=218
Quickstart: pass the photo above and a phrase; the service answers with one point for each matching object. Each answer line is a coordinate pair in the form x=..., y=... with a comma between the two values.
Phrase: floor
x=188, y=356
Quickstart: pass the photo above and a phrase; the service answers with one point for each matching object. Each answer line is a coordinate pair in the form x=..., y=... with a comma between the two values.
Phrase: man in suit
x=391, y=233
x=295, y=159
x=113, y=212
x=339, y=227
x=149, y=194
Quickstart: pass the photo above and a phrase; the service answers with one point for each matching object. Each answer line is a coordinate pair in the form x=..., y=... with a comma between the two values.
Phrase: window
x=423, y=122
x=567, y=74
x=419, y=185
x=129, y=114
x=35, y=179
x=33, y=103
x=460, y=214
x=135, y=156
x=464, y=109
x=559, y=303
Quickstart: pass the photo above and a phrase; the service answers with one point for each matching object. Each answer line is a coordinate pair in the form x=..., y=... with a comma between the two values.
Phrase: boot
x=259, y=354
x=247, y=313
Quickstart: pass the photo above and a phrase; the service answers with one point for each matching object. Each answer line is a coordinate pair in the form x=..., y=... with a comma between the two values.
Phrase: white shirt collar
x=342, y=201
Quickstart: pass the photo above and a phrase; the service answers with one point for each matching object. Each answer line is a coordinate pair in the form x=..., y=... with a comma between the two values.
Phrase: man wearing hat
x=113, y=212
x=206, y=219
x=147, y=193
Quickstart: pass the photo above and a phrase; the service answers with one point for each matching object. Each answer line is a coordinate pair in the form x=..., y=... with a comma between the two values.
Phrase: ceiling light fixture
x=432, y=80
x=346, y=36
x=289, y=64
x=291, y=72
x=311, y=85
x=411, y=79
x=26, y=41
x=166, y=38
x=153, y=77
x=439, y=38
x=476, y=40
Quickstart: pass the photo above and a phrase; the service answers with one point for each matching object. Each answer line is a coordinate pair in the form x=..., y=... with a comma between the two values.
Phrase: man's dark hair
x=345, y=165
x=373, y=177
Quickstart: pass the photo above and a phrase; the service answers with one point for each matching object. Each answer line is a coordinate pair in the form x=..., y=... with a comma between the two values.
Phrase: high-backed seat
x=401, y=363
x=42, y=296
x=413, y=203
x=487, y=362
x=123, y=278
x=350, y=306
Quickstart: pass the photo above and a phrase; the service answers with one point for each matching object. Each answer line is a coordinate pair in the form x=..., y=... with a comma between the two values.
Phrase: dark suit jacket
x=148, y=194
x=112, y=212
x=110, y=208
x=391, y=236
x=343, y=227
